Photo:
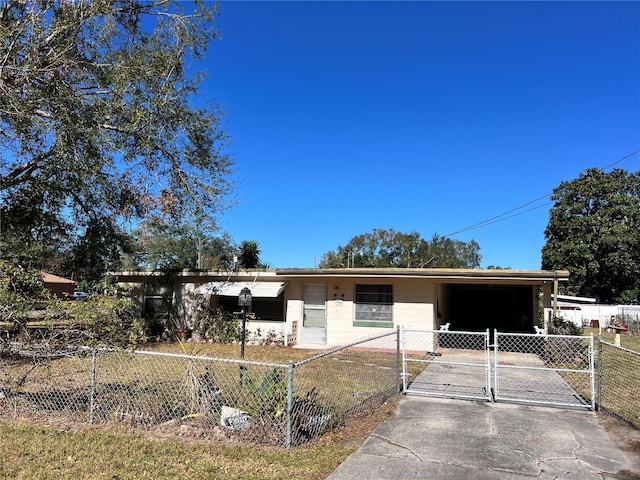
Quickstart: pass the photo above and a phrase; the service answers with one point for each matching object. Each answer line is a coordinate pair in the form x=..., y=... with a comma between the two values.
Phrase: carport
x=507, y=300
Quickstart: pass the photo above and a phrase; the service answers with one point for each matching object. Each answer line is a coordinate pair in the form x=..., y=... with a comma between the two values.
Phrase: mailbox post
x=244, y=301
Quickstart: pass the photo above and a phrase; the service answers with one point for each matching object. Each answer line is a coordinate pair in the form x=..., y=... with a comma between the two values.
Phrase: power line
x=506, y=215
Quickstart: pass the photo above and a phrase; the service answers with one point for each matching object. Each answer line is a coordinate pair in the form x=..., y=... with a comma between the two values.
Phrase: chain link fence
x=619, y=382
x=447, y=363
x=288, y=404
x=204, y=397
x=544, y=369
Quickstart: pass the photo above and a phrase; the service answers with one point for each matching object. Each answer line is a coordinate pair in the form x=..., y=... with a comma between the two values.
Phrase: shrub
x=560, y=326
x=218, y=325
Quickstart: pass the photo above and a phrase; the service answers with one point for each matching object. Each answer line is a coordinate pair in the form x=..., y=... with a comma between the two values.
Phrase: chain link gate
x=553, y=370
x=444, y=363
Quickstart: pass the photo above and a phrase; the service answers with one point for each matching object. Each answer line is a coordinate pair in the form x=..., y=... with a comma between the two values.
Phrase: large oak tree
x=100, y=120
x=594, y=232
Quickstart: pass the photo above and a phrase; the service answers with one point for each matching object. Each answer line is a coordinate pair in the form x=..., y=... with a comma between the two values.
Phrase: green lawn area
x=626, y=340
x=29, y=451
x=47, y=447
x=620, y=382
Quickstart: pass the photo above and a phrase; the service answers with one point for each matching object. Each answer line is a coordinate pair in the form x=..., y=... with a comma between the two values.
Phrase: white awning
x=232, y=289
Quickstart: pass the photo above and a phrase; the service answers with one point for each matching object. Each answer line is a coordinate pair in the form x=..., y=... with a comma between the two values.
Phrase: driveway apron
x=442, y=438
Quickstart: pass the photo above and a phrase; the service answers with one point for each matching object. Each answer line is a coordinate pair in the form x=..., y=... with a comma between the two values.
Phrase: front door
x=314, y=311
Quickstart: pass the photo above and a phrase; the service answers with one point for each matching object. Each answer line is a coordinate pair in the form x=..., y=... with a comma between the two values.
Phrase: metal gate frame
x=423, y=352
x=554, y=377
x=524, y=377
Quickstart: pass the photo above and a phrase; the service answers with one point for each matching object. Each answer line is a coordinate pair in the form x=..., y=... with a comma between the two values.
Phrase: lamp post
x=244, y=300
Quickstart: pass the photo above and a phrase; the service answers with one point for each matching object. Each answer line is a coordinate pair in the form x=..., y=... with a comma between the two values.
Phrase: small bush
x=560, y=326
x=218, y=325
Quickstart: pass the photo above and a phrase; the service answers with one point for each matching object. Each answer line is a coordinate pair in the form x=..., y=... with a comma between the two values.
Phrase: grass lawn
x=35, y=451
x=45, y=447
x=626, y=340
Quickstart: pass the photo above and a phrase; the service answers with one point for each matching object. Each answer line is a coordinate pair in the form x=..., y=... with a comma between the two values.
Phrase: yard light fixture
x=244, y=300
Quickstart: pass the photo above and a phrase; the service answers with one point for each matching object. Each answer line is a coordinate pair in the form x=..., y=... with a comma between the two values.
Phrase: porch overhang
x=232, y=289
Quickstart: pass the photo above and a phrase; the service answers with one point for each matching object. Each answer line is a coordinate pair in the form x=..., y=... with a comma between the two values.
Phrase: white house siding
x=413, y=307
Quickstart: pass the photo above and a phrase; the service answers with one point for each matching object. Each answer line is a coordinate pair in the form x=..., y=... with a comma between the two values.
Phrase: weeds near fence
x=282, y=404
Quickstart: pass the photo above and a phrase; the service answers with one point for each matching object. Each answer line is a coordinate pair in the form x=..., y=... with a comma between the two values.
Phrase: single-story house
x=335, y=306
x=59, y=286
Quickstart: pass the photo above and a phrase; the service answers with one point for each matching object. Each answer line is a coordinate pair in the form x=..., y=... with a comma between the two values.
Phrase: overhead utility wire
x=503, y=216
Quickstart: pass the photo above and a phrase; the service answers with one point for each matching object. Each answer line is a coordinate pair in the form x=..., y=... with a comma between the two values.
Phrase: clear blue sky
x=425, y=116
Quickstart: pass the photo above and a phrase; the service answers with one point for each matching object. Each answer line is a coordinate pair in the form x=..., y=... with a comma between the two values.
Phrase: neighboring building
x=585, y=312
x=335, y=306
x=61, y=287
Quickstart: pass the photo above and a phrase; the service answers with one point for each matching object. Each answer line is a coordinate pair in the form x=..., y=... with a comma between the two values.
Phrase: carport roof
x=445, y=274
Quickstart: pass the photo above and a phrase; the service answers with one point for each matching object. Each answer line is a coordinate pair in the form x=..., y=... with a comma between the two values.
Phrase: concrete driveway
x=441, y=439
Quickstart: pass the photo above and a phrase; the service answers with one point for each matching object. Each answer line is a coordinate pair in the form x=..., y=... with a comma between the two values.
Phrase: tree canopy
x=100, y=121
x=594, y=232
x=182, y=246
x=393, y=249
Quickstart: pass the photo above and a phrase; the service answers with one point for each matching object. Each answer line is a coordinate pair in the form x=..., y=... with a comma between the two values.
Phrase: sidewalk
x=442, y=439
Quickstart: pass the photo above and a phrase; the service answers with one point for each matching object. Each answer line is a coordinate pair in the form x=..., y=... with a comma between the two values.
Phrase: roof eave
x=436, y=273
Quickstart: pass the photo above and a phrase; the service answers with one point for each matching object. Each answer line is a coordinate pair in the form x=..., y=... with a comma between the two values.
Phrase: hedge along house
x=318, y=307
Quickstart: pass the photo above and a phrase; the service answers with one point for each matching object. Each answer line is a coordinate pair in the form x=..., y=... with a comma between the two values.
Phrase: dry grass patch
x=35, y=450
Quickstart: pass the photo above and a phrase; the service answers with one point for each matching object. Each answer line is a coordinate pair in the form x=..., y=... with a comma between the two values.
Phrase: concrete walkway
x=441, y=439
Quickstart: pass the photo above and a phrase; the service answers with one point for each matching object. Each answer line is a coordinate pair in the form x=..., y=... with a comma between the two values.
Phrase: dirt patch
x=625, y=437
x=359, y=428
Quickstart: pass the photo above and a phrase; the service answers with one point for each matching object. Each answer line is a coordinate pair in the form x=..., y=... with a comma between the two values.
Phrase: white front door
x=314, y=311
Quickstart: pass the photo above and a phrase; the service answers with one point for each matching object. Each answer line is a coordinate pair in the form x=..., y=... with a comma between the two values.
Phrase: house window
x=374, y=306
x=266, y=309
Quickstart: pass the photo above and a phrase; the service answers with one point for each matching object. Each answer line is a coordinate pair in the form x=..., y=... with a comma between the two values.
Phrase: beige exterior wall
x=413, y=306
x=421, y=298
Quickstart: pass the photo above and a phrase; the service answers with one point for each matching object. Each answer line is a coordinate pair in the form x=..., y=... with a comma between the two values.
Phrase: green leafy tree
x=100, y=248
x=594, y=232
x=171, y=245
x=31, y=233
x=392, y=249
x=99, y=117
x=20, y=287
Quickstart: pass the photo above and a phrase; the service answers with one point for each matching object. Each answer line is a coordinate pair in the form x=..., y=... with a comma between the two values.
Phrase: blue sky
x=425, y=116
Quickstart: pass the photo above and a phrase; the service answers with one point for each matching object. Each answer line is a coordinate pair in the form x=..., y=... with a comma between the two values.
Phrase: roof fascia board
x=431, y=273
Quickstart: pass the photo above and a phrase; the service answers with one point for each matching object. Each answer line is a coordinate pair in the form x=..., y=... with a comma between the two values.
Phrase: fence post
x=599, y=394
x=92, y=398
x=403, y=348
x=592, y=373
x=289, y=402
x=398, y=362
x=487, y=352
x=496, y=348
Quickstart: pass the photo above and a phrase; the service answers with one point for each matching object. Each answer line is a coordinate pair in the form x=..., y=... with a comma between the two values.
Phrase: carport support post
x=555, y=298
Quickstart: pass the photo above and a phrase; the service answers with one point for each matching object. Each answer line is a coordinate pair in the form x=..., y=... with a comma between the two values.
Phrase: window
x=271, y=309
x=374, y=306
